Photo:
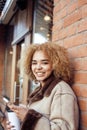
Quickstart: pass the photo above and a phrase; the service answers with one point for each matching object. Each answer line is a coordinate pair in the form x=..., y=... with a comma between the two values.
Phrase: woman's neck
x=42, y=84
x=46, y=80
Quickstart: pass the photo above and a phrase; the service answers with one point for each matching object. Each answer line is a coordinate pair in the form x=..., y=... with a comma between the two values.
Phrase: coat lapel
x=40, y=92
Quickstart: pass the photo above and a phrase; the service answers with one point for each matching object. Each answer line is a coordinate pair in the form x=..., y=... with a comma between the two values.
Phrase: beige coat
x=59, y=111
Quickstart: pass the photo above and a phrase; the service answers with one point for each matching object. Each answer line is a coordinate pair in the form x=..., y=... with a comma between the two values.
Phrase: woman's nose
x=39, y=66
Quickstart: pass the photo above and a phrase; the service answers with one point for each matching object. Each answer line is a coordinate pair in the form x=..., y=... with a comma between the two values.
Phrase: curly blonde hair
x=57, y=55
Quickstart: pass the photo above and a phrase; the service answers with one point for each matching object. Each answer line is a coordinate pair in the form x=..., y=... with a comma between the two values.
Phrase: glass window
x=42, y=25
x=43, y=21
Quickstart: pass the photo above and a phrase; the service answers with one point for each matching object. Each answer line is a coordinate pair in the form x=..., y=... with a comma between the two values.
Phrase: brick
x=83, y=104
x=84, y=64
x=81, y=77
x=55, y=36
x=76, y=89
x=63, y=13
x=57, y=8
x=79, y=52
x=59, y=42
x=74, y=40
x=83, y=91
x=85, y=37
x=59, y=35
x=63, y=3
x=71, y=30
x=60, y=4
x=84, y=118
x=54, y=20
x=72, y=18
x=57, y=18
x=81, y=2
x=72, y=7
x=57, y=26
x=68, y=1
x=56, y=1
x=81, y=64
x=84, y=11
x=82, y=26
x=62, y=34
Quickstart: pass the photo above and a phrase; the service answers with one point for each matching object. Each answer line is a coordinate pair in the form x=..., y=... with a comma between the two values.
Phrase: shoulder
x=63, y=88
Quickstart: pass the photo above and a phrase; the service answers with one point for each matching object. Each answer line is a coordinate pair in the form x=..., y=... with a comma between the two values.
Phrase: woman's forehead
x=40, y=54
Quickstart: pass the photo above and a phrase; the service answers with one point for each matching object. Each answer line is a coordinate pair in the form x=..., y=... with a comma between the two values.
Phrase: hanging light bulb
x=11, y=52
x=48, y=35
x=42, y=28
x=47, y=18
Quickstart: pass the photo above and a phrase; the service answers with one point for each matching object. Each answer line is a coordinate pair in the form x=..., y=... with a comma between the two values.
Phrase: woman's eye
x=34, y=63
x=42, y=63
x=45, y=63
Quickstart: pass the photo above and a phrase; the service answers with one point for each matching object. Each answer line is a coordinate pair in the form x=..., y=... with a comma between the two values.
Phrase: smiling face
x=41, y=66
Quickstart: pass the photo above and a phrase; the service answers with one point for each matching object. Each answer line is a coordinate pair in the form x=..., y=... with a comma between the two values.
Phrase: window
x=42, y=25
x=43, y=17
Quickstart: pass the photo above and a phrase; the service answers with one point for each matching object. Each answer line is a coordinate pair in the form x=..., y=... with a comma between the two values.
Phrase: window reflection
x=40, y=38
x=43, y=21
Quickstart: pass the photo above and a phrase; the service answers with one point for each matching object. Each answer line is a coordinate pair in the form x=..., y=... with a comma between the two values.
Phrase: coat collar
x=40, y=92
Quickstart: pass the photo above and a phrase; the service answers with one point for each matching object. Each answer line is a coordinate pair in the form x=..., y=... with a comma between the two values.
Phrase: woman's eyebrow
x=42, y=60
x=45, y=60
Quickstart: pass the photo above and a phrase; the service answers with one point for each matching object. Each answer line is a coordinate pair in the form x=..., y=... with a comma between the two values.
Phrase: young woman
x=53, y=104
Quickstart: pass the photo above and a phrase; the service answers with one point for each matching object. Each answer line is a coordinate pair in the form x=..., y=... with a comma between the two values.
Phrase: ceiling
x=2, y=3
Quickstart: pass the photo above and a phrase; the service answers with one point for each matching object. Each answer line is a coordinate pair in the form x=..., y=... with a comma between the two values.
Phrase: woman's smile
x=39, y=73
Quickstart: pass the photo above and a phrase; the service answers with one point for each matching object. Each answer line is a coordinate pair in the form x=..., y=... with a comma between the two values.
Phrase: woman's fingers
x=8, y=125
x=19, y=110
x=13, y=107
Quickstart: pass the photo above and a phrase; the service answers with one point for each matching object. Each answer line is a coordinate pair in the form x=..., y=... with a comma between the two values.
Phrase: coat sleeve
x=64, y=113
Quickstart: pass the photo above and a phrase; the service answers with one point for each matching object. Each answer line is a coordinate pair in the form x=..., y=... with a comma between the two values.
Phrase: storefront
x=29, y=23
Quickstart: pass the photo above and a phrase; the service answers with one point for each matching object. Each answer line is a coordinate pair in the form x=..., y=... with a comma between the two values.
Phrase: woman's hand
x=19, y=110
x=8, y=126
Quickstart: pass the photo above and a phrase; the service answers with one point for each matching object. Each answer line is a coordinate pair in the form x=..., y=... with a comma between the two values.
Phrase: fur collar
x=40, y=92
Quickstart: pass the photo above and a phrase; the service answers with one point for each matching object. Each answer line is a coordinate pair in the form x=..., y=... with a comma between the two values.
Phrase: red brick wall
x=70, y=30
x=2, y=52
